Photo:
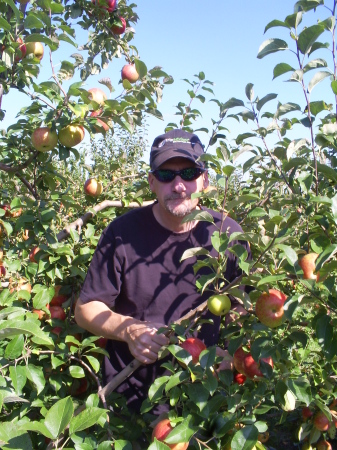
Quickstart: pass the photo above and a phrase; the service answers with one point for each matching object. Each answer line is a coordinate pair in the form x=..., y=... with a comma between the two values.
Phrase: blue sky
x=219, y=37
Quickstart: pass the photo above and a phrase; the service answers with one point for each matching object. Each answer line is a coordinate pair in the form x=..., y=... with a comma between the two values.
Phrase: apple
x=101, y=342
x=239, y=378
x=56, y=312
x=119, y=29
x=71, y=135
x=251, y=367
x=321, y=422
x=24, y=285
x=245, y=364
x=130, y=73
x=306, y=412
x=93, y=187
x=99, y=121
x=162, y=430
x=308, y=264
x=40, y=313
x=269, y=308
x=97, y=95
x=16, y=212
x=32, y=254
x=7, y=208
x=21, y=51
x=108, y=5
x=219, y=304
x=238, y=359
x=2, y=270
x=194, y=346
x=78, y=387
x=58, y=298
x=57, y=330
x=35, y=48
x=44, y=139
x=323, y=445
x=263, y=437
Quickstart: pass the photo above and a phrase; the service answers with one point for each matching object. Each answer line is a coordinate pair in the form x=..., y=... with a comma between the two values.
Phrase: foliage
x=276, y=178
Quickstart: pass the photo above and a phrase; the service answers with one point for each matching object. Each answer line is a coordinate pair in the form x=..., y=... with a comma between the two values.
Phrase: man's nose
x=178, y=184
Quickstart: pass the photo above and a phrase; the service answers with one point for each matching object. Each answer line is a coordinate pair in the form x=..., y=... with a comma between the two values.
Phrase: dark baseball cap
x=175, y=144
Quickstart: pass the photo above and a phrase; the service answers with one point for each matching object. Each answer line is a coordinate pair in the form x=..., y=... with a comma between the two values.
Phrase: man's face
x=175, y=196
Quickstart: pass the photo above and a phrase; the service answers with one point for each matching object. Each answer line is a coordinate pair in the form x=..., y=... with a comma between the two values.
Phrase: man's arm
x=142, y=338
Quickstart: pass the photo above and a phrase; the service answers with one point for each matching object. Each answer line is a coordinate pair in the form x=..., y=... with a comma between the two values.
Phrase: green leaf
x=328, y=172
x=59, y=416
x=324, y=331
x=276, y=23
x=308, y=36
x=76, y=372
x=281, y=68
x=202, y=216
x=264, y=100
x=271, y=46
x=249, y=91
x=286, y=108
x=289, y=253
x=141, y=68
x=157, y=388
x=182, y=432
x=119, y=444
x=16, y=327
x=18, y=377
x=86, y=419
x=36, y=376
x=301, y=388
x=4, y=24
x=232, y=103
x=192, y=252
x=14, y=348
x=317, y=78
x=176, y=379
x=245, y=438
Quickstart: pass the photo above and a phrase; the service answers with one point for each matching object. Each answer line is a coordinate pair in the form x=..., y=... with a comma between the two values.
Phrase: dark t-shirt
x=136, y=270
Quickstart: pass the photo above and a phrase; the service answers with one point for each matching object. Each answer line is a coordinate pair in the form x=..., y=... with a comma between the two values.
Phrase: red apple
x=162, y=430
x=306, y=412
x=79, y=386
x=269, y=308
x=58, y=298
x=321, y=422
x=97, y=95
x=21, y=51
x=40, y=313
x=108, y=5
x=194, y=346
x=57, y=330
x=32, y=254
x=44, y=139
x=101, y=342
x=99, y=122
x=308, y=264
x=130, y=73
x=251, y=367
x=119, y=29
x=2, y=270
x=56, y=312
x=7, y=208
x=93, y=187
x=323, y=445
x=238, y=359
x=35, y=48
x=71, y=135
x=239, y=378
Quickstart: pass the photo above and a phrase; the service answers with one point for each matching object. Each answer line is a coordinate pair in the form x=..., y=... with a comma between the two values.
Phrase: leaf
x=245, y=438
x=59, y=416
x=15, y=347
x=324, y=332
x=36, y=376
x=287, y=107
x=16, y=327
x=18, y=377
x=308, y=36
x=276, y=23
x=141, y=68
x=281, y=68
x=329, y=172
x=317, y=78
x=86, y=419
x=182, y=432
x=232, y=103
x=202, y=216
x=192, y=252
x=289, y=253
x=249, y=91
x=264, y=100
x=271, y=46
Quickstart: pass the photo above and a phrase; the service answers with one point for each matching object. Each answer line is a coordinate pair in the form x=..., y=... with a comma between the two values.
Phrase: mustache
x=177, y=197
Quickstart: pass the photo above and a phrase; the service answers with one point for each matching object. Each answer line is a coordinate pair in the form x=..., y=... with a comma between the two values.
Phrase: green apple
x=71, y=135
x=219, y=304
x=35, y=48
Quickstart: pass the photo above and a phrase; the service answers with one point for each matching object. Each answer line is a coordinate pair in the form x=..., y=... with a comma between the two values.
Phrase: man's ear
x=151, y=179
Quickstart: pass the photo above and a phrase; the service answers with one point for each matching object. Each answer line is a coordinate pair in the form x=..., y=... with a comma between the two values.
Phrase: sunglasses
x=168, y=175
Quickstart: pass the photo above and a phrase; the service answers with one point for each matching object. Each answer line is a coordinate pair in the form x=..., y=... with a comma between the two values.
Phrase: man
x=136, y=282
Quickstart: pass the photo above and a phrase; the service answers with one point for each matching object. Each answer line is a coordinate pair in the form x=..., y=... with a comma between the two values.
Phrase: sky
x=220, y=38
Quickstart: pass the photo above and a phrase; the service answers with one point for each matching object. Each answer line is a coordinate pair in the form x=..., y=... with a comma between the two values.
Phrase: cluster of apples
x=321, y=422
x=246, y=365
x=45, y=139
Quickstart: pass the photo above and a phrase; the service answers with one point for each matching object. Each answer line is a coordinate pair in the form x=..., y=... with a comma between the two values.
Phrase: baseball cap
x=173, y=144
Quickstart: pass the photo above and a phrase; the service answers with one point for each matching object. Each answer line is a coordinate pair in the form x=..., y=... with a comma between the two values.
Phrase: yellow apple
x=93, y=187
x=97, y=95
x=71, y=135
x=35, y=48
x=219, y=304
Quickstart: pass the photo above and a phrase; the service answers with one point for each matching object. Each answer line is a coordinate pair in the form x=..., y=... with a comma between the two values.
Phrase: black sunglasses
x=168, y=175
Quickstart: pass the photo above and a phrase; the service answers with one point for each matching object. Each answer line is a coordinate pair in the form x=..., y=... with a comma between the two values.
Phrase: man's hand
x=144, y=342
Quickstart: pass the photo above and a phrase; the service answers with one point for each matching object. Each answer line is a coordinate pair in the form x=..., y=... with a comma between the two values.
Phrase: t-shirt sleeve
x=104, y=277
